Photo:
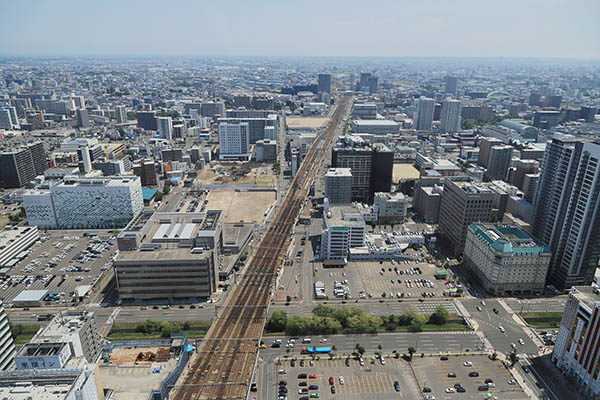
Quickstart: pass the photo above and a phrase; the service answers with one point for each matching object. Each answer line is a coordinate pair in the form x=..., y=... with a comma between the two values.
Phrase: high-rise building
x=451, y=83
x=147, y=120
x=423, y=119
x=546, y=119
x=498, y=162
x=8, y=117
x=567, y=209
x=172, y=155
x=120, y=114
x=212, y=108
x=338, y=185
x=18, y=167
x=242, y=100
x=325, y=83
x=577, y=350
x=83, y=118
x=555, y=101
x=505, y=259
x=522, y=168
x=7, y=344
x=588, y=113
x=234, y=141
x=373, y=83
x=450, y=118
x=266, y=150
x=146, y=170
x=535, y=98
x=364, y=80
x=38, y=154
x=165, y=127
x=82, y=203
x=462, y=204
x=485, y=144
x=78, y=101
x=258, y=127
x=371, y=166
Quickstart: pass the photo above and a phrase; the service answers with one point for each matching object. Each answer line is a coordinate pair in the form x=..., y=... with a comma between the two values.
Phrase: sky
x=404, y=28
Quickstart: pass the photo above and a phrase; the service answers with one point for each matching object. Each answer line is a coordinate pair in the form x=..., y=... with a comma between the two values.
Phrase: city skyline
x=457, y=29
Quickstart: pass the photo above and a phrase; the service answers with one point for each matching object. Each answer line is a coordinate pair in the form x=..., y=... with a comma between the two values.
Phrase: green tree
x=277, y=322
x=166, y=189
x=411, y=351
x=513, y=358
x=440, y=316
x=494, y=356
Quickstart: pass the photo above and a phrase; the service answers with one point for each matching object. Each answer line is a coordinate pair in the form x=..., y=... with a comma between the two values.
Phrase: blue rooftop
x=148, y=193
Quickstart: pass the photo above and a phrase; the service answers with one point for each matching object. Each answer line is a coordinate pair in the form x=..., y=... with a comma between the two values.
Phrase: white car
x=361, y=362
x=382, y=360
x=514, y=346
x=478, y=308
x=502, y=329
x=468, y=364
x=341, y=380
x=450, y=390
x=512, y=382
x=521, y=342
x=324, y=340
x=289, y=345
x=430, y=397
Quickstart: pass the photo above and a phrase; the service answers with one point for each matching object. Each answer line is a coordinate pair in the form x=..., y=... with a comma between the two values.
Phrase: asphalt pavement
x=489, y=324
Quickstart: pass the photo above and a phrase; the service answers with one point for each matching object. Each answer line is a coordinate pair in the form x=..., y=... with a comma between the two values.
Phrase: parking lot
x=60, y=262
x=359, y=381
x=436, y=374
x=400, y=279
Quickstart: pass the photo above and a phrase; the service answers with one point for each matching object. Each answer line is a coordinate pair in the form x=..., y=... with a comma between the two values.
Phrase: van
x=306, y=340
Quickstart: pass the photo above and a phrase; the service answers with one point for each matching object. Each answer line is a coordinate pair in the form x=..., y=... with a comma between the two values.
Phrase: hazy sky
x=486, y=28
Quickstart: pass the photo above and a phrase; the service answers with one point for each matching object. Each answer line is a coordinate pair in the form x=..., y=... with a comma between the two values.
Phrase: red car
x=312, y=376
x=331, y=382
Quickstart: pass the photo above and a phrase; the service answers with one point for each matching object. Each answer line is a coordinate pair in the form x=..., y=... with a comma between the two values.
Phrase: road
x=489, y=323
x=424, y=342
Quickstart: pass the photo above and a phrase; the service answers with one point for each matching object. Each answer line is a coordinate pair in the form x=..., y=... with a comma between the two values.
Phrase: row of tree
x=165, y=328
x=328, y=320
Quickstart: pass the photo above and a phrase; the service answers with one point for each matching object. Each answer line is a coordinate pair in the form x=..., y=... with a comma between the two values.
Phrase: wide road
x=489, y=323
x=424, y=342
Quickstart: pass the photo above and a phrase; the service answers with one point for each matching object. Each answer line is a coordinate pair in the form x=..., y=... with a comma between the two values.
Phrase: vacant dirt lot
x=241, y=206
x=308, y=122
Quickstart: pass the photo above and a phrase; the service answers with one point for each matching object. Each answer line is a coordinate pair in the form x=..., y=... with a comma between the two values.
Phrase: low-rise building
x=75, y=327
x=577, y=349
x=391, y=207
x=85, y=203
x=48, y=384
x=164, y=255
x=14, y=241
x=506, y=259
x=43, y=355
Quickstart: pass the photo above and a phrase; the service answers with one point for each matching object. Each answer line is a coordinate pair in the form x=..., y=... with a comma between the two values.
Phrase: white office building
x=7, y=345
x=423, y=119
x=450, y=119
x=82, y=203
x=234, y=141
x=165, y=127
x=343, y=228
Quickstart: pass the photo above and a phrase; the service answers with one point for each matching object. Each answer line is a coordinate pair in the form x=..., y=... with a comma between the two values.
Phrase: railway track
x=226, y=357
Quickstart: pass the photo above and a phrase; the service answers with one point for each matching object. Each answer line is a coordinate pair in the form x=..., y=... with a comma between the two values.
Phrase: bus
x=316, y=350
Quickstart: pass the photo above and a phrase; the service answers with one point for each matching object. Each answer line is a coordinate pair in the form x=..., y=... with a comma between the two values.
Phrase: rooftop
x=12, y=235
x=509, y=238
x=30, y=295
x=39, y=384
x=588, y=295
x=345, y=216
x=339, y=172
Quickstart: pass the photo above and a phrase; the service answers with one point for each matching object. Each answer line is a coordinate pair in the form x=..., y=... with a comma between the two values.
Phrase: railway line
x=223, y=367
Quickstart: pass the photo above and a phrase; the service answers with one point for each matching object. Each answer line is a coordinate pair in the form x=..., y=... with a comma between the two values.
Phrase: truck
x=316, y=350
